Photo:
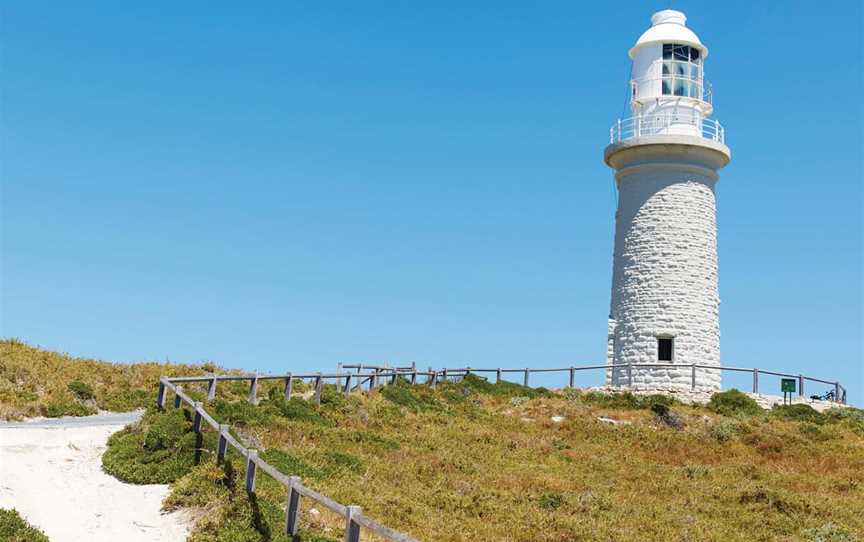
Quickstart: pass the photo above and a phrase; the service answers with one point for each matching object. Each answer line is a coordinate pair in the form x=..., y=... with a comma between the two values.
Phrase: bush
x=81, y=390
x=291, y=465
x=58, y=407
x=799, y=412
x=734, y=403
x=724, y=430
x=159, y=450
x=472, y=383
x=629, y=401
x=13, y=528
x=551, y=501
x=403, y=394
x=828, y=533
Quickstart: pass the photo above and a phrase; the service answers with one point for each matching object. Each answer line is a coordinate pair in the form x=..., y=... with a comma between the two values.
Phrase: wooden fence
x=383, y=375
x=354, y=517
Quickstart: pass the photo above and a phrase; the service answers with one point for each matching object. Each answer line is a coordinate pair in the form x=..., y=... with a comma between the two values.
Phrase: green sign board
x=787, y=384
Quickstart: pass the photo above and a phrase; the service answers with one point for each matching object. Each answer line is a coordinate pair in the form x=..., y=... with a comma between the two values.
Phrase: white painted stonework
x=664, y=280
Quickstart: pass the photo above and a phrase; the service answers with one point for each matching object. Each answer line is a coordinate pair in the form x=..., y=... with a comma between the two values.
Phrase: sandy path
x=51, y=472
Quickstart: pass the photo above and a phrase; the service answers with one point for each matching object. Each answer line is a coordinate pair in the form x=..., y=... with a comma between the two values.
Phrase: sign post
x=787, y=386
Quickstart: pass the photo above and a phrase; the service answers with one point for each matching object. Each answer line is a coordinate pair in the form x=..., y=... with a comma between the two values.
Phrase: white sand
x=52, y=474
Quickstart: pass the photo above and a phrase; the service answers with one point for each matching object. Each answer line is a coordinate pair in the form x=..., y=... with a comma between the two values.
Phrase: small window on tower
x=664, y=348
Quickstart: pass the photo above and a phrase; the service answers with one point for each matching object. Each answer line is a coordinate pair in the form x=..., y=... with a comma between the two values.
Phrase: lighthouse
x=664, y=311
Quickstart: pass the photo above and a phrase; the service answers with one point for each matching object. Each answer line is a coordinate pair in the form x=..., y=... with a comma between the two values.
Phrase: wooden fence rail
x=374, y=379
x=354, y=518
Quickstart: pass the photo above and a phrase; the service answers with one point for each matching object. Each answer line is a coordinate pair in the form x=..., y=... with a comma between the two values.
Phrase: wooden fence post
x=755, y=381
x=498, y=375
x=289, y=384
x=160, y=395
x=318, y=385
x=250, y=471
x=433, y=377
x=445, y=374
x=800, y=385
x=572, y=377
x=292, y=511
x=373, y=383
x=693, y=377
x=413, y=377
x=222, y=447
x=352, y=528
x=177, y=400
x=630, y=374
x=196, y=421
x=836, y=392
x=347, y=389
x=253, y=390
x=525, y=382
x=211, y=389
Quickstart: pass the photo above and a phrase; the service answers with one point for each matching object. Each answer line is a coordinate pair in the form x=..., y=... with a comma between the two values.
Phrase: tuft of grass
x=734, y=403
x=13, y=528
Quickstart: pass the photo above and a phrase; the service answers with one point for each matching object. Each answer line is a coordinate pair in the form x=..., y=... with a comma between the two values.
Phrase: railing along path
x=354, y=517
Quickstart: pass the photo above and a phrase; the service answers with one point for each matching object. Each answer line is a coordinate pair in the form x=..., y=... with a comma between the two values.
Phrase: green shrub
x=81, y=390
x=551, y=501
x=291, y=465
x=798, y=412
x=828, y=532
x=853, y=418
x=58, y=407
x=241, y=412
x=472, y=383
x=165, y=431
x=404, y=394
x=300, y=410
x=159, y=450
x=734, y=403
x=628, y=401
x=724, y=430
x=13, y=528
x=127, y=399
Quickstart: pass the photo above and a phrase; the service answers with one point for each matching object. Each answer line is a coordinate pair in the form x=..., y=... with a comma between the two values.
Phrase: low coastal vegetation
x=37, y=382
x=472, y=460
x=13, y=528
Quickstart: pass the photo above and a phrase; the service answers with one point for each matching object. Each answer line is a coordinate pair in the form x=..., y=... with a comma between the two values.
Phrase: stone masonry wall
x=665, y=276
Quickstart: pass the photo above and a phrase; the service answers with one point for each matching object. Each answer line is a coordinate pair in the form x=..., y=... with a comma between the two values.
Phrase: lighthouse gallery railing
x=667, y=124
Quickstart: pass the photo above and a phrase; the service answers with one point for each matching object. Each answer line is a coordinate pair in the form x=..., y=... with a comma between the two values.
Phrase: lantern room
x=669, y=93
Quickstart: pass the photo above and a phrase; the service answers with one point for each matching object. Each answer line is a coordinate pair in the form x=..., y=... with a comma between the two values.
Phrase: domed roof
x=667, y=26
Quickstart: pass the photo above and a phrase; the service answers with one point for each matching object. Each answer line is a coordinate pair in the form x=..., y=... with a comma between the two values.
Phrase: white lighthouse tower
x=665, y=301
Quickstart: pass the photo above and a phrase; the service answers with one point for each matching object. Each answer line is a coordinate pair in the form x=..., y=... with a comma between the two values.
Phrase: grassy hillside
x=472, y=461
x=36, y=382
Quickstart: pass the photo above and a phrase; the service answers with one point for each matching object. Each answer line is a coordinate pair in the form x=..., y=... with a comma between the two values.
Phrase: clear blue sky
x=289, y=185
